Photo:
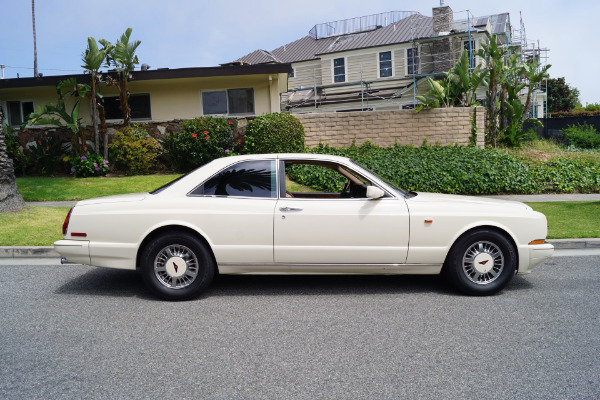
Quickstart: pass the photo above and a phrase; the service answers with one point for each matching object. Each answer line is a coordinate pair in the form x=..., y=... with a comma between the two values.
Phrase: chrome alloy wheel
x=176, y=266
x=483, y=262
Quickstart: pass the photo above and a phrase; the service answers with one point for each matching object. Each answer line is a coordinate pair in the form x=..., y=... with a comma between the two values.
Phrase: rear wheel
x=177, y=266
x=481, y=263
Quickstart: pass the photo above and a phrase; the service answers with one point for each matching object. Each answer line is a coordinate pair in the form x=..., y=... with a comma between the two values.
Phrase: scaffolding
x=401, y=92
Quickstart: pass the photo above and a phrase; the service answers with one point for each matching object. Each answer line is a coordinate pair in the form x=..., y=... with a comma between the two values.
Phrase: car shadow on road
x=307, y=285
x=106, y=282
x=120, y=283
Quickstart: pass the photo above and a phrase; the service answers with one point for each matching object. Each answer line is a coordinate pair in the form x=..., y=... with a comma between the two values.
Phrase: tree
x=92, y=60
x=122, y=56
x=561, y=96
x=494, y=57
x=56, y=115
x=457, y=88
x=535, y=76
x=10, y=198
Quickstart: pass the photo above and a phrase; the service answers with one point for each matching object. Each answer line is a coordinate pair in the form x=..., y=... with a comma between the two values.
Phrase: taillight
x=66, y=223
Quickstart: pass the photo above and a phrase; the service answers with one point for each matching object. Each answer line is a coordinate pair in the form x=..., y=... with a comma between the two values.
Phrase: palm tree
x=10, y=198
x=122, y=56
x=35, y=70
x=92, y=60
x=534, y=76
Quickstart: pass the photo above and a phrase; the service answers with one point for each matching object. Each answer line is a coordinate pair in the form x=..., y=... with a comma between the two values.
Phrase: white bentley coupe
x=240, y=215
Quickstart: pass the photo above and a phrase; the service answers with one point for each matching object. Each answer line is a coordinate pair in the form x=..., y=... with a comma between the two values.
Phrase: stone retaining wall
x=385, y=128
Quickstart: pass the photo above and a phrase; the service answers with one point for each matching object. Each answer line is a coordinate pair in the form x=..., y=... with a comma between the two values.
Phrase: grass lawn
x=62, y=189
x=41, y=226
x=37, y=226
x=571, y=219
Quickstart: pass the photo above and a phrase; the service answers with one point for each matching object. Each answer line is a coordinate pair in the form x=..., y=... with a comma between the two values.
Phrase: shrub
x=134, y=151
x=274, y=133
x=88, y=165
x=583, y=136
x=199, y=141
x=45, y=154
x=11, y=139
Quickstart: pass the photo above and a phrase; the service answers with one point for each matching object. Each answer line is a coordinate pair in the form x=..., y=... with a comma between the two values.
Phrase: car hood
x=120, y=198
x=474, y=200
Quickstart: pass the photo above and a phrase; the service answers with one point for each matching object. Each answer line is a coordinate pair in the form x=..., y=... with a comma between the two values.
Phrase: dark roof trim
x=156, y=74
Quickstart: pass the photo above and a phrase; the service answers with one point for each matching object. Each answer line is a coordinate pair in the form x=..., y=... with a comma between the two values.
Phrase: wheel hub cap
x=176, y=266
x=483, y=262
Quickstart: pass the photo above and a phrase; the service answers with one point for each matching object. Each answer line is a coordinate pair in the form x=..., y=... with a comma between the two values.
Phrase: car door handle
x=286, y=209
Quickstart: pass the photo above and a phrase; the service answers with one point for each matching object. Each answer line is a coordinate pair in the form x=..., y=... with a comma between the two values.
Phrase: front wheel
x=177, y=266
x=481, y=263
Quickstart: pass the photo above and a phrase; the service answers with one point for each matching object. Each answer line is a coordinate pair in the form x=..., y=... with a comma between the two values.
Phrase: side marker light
x=540, y=241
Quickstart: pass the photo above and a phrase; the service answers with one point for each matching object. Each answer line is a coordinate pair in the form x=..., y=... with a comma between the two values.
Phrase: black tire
x=481, y=263
x=177, y=266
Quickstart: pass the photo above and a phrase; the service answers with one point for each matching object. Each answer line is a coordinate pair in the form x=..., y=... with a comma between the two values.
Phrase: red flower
x=206, y=132
x=206, y=137
x=194, y=135
x=201, y=120
x=239, y=140
x=230, y=122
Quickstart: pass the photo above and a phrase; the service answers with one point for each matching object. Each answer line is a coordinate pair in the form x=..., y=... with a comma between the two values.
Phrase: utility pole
x=35, y=69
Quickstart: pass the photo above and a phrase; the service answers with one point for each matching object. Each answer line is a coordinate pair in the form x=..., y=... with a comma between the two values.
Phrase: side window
x=323, y=181
x=247, y=179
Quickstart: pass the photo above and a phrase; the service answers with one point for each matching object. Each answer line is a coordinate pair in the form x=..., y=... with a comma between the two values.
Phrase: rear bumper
x=73, y=251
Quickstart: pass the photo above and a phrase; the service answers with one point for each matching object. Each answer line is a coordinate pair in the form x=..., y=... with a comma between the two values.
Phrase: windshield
x=390, y=184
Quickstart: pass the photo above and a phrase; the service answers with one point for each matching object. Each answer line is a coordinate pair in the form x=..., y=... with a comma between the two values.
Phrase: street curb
x=28, y=252
x=49, y=252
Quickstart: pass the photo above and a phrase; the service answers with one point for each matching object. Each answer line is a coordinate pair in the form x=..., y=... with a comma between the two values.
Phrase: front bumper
x=537, y=254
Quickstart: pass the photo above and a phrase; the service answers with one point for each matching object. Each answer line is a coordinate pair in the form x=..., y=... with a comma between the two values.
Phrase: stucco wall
x=385, y=128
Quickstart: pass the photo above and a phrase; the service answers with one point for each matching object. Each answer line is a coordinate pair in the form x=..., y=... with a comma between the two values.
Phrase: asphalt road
x=79, y=332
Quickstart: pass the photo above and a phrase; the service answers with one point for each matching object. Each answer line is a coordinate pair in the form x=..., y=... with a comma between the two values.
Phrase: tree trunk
x=124, y=98
x=10, y=198
x=492, y=110
x=95, y=114
x=503, y=119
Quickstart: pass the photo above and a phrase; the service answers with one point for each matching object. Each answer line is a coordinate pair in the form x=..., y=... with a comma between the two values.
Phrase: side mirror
x=373, y=192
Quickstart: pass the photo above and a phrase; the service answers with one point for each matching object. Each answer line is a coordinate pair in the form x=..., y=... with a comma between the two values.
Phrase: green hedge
x=274, y=133
x=461, y=170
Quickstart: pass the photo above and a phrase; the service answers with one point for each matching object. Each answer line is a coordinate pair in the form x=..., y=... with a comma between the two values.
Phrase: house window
x=138, y=103
x=17, y=111
x=292, y=74
x=385, y=64
x=472, y=50
x=339, y=70
x=412, y=60
x=231, y=101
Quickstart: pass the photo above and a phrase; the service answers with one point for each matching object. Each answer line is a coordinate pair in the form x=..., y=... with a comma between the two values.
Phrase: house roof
x=308, y=48
x=414, y=26
x=156, y=74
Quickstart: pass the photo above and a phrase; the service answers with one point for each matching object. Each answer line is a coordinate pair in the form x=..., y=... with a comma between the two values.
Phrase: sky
x=200, y=33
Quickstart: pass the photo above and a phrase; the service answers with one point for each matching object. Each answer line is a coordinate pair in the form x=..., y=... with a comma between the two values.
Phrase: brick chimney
x=443, y=22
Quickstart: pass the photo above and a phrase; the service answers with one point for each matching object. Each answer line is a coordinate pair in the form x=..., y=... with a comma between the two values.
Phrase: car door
x=325, y=228
x=234, y=209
